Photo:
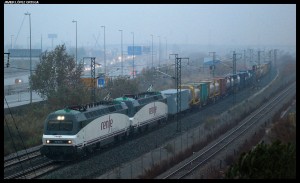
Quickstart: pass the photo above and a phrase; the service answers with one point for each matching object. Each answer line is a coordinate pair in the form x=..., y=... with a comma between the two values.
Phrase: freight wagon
x=194, y=100
x=171, y=95
x=77, y=130
x=203, y=91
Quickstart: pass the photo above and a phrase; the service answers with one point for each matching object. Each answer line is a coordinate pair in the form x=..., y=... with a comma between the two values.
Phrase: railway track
x=187, y=168
x=43, y=167
x=22, y=157
x=27, y=164
x=30, y=172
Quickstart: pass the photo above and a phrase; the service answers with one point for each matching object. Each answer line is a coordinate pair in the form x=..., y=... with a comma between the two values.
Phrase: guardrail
x=16, y=88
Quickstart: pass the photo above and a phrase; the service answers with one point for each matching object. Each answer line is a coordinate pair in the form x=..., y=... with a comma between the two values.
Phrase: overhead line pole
x=133, y=54
x=178, y=87
x=152, y=50
x=213, y=65
x=93, y=78
x=234, y=73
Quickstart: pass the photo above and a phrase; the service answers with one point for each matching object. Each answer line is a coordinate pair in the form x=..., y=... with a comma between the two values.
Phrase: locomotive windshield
x=58, y=125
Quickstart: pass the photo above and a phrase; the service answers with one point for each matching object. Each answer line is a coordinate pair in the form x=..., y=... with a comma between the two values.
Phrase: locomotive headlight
x=60, y=117
x=69, y=141
x=47, y=141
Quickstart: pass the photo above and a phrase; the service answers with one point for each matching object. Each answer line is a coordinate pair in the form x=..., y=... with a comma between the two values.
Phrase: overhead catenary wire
x=21, y=68
x=19, y=30
x=14, y=144
x=18, y=133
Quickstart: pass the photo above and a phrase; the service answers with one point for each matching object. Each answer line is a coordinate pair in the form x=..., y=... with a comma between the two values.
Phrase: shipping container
x=171, y=95
x=203, y=91
x=228, y=83
x=210, y=87
x=242, y=76
x=236, y=80
x=194, y=91
x=222, y=83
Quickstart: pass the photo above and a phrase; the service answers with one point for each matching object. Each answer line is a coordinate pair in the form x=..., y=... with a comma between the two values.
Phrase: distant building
x=24, y=52
x=209, y=61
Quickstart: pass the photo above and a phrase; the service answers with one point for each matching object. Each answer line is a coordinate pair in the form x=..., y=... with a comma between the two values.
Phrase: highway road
x=18, y=98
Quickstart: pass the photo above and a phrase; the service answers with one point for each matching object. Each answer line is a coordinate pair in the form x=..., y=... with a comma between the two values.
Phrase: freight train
x=74, y=131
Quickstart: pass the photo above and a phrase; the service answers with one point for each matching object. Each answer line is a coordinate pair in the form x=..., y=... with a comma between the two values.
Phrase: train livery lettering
x=106, y=124
x=152, y=110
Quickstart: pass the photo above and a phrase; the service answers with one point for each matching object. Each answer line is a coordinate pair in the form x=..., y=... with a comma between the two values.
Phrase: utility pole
x=251, y=55
x=275, y=58
x=259, y=57
x=271, y=65
x=152, y=50
x=133, y=54
x=74, y=21
x=93, y=78
x=234, y=75
x=41, y=43
x=11, y=37
x=159, y=51
x=245, y=59
x=213, y=65
x=166, y=50
x=270, y=56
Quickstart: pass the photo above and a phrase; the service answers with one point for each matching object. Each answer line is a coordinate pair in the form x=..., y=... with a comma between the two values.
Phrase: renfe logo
x=106, y=124
x=152, y=110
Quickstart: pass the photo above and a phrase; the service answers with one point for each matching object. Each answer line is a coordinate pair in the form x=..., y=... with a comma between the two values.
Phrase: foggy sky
x=178, y=24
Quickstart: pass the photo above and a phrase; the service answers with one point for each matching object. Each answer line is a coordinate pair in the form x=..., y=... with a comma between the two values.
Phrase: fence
x=169, y=150
x=161, y=154
x=16, y=88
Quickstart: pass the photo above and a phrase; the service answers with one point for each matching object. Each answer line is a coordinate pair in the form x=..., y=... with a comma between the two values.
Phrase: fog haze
x=201, y=24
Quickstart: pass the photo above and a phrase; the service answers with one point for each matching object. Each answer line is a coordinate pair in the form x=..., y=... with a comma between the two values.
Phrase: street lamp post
x=133, y=52
x=11, y=40
x=30, y=55
x=158, y=51
x=104, y=51
x=76, y=39
x=152, y=50
x=121, y=50
x=166, y=49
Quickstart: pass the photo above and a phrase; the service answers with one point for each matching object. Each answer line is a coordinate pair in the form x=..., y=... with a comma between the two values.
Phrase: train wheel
x=117, y=138
x=97, y=145
x=127, y=134
x=90, y=149
x=131, y=132
x=146, y=127
x=84, y=152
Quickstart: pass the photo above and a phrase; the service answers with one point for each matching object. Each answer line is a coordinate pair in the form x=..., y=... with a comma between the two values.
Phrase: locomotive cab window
x=57, y=125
